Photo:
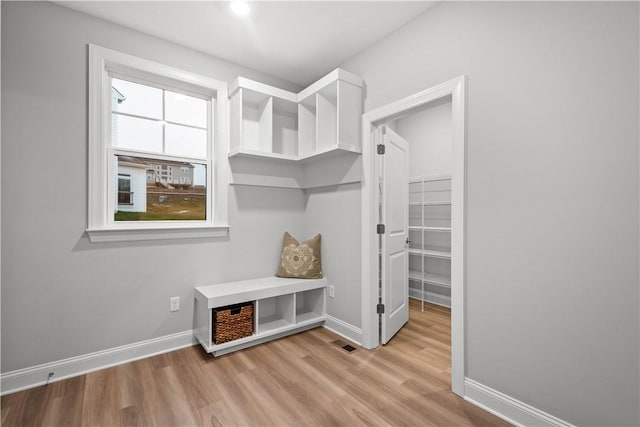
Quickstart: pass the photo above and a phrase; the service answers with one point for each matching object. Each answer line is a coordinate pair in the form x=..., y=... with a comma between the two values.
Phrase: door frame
x=456, y=89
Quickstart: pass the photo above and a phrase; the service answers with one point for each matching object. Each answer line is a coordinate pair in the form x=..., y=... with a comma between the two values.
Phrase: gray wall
x=552, y=285
x=63, y=296
x=429, y=134
x=335, y=212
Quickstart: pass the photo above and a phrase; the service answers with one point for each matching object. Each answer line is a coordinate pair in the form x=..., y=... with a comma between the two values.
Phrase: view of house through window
x=149, y=121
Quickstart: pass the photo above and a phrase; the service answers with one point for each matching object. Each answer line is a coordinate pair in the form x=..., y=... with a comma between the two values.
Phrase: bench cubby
x=283, y=307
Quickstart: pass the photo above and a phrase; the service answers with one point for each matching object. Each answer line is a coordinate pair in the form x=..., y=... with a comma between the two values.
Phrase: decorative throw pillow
x=300, y=260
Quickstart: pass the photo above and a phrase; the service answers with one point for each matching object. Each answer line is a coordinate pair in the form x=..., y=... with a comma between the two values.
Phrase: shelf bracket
x=381, y=149
x=380, y=228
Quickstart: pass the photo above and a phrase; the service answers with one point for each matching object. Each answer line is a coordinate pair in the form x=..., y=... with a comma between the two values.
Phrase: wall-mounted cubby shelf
x=273, y=125
x=263, y=120
x=282, y=307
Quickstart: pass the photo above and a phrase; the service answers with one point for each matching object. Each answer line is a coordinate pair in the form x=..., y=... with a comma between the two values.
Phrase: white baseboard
x=22, y=379
x=344, y=329
x=508, y=408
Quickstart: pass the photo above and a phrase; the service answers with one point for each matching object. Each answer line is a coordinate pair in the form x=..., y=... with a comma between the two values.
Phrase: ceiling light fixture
x=240, y=7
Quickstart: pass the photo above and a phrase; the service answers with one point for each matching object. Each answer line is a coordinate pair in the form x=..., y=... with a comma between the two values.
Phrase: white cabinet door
x=395, y=268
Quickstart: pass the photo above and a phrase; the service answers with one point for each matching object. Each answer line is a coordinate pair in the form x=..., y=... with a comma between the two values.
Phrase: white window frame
x=104, y=63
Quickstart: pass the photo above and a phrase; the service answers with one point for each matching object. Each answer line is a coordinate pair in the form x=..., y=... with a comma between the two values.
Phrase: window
x=124, y=190
x=146, y=121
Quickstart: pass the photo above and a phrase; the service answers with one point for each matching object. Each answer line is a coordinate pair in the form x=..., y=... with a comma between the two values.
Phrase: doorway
x=455, y=90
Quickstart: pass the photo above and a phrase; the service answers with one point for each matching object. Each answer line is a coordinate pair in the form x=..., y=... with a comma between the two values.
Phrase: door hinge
x=380, y=148
x=380, y=228
x=380, y=308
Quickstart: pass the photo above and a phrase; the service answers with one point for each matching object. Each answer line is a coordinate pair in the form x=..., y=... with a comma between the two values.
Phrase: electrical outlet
x=174, y=304
x=332, y=291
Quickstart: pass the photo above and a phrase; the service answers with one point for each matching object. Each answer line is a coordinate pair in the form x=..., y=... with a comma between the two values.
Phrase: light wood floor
x=305, y=379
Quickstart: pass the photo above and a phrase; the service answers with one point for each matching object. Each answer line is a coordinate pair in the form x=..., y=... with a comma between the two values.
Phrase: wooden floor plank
x=302, y=380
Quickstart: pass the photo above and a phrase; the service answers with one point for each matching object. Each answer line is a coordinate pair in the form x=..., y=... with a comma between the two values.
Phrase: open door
x=394, y=212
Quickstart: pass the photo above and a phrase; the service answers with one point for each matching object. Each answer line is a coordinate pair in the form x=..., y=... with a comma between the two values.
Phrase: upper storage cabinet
x=270, y=122
x=264, y=120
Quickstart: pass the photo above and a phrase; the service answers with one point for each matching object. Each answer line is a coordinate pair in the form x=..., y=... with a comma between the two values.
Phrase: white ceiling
x=298, y=41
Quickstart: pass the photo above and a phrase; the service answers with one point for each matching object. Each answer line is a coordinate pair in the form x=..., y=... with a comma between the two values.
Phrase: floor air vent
x=349, y=348
x=343, y=345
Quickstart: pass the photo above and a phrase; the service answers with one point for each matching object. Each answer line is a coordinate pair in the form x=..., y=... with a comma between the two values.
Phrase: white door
x=394, y=265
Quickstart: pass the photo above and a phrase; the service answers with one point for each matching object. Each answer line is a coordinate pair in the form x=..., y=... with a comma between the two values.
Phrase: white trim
x=120, y=151
x=245, y=83
x=456, y=89
x=509, y=409
x=102, y=62
x=337, y=74
x=344, y=329
x=99, y=235
x=34, y=376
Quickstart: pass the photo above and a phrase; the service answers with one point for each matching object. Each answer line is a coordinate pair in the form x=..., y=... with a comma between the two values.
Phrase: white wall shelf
x=434, y=203
x=430, y=253
x=282, y=307
x=434, y=279
x=340, y=149
x=441, y=229
x=319, y=123
x=263, y=119
x=256, y=154
x=316, y=155
x=430, y=234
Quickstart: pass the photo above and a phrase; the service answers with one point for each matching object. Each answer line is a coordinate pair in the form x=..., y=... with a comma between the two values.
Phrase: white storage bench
x=282, y=307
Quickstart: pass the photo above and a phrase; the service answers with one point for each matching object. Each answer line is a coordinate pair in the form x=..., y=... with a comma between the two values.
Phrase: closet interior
x=430, y=239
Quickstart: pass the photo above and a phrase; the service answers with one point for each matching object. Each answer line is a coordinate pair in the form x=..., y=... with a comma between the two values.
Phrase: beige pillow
x=300, y=260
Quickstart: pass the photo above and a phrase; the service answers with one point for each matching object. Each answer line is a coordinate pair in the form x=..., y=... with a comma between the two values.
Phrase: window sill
x=99, y=235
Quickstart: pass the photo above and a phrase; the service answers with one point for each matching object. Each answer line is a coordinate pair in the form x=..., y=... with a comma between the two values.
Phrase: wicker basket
x=232, y=322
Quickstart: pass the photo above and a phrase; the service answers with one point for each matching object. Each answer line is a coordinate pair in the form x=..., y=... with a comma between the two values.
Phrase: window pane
x=185, y=141
x=124, y=190
x=185, y=109
x=160, y=190
x=137, y=134
x=134, y=98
